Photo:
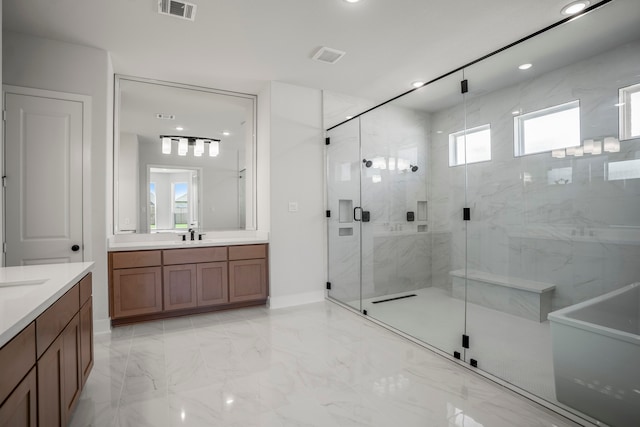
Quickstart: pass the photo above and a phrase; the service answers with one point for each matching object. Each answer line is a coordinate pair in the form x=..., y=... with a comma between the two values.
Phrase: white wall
x=46, y=64
x=297, y=239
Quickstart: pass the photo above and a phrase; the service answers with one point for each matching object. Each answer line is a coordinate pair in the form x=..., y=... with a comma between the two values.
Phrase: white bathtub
x=596, y=356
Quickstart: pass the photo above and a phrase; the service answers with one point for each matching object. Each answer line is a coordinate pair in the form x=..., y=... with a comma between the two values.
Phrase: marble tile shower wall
x=395, y=255
x=582, y=236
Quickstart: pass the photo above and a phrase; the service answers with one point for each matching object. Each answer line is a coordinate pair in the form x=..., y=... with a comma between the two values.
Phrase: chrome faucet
x=193, y=233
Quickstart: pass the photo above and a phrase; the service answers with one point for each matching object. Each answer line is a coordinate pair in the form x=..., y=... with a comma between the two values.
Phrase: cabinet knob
x=75, y=248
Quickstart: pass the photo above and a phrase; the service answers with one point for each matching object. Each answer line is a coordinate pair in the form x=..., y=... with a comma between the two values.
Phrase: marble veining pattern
x=313, y=365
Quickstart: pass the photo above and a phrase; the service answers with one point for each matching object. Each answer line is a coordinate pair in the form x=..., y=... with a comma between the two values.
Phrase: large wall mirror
x=184, y=157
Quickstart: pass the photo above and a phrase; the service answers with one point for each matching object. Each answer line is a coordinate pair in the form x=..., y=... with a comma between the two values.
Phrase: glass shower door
x=416, y=234
x=345, y=213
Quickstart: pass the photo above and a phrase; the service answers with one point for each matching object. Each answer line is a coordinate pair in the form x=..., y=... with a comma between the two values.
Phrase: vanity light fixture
x=183, y=146
x=574, y=7
x=184, y=142
x=525, y=66
x=214, y=148
x=166, y=145
x=198, y=149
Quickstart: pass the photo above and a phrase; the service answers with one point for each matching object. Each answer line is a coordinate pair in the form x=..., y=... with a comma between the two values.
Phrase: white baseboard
x=101, y=326
x=296, y=299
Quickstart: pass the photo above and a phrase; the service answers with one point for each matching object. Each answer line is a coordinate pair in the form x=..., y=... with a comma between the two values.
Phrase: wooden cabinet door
x=72, y=378
x=247, y=280
x=50, y=374
x=179, y=286
x=137, y=291
x=86, y=339
x=59, y=377
x=20, y=409
x=212, y=283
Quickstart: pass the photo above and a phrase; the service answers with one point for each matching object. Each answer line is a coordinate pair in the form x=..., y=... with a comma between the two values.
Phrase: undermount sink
x=7, y=283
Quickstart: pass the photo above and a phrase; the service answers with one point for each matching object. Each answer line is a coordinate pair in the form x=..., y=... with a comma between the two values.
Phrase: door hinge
x=4, y=181
x=4, y=115
x=465, y=341
x=4, y=247
x=328, y=286
x=466, y=214
x=328, y=213
x=327, y=141
x=464, y=86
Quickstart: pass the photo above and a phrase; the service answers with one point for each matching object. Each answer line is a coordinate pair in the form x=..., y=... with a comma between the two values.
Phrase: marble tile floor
x=311, y=365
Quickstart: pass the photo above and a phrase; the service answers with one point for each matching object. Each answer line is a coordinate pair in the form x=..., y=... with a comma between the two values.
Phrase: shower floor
x=514, y=349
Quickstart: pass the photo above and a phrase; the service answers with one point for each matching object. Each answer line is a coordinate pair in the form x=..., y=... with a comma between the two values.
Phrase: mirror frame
x=251, y=164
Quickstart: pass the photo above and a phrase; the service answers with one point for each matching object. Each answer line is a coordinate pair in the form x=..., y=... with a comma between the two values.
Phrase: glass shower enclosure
x=465, y=212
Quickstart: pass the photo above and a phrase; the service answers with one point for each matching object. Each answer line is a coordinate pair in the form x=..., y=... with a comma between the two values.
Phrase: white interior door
x=43, y=169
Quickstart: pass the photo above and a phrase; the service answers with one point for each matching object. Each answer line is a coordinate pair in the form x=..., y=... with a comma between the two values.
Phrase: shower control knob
x=75, y=248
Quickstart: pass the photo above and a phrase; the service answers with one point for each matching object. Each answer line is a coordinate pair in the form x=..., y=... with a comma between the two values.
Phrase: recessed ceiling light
x=226, y=133
x=417, y=84
x=179, y=128
x=524, y=66
x=575, y=7
x=515, y=112
x=352, y=1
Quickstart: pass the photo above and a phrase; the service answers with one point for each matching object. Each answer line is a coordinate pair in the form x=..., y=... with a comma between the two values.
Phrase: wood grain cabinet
x=44, y=367
x=187, y=280
x=247, y=273
x=20, y=408
x=195, y=277
x=136, y=283
x=18, y=380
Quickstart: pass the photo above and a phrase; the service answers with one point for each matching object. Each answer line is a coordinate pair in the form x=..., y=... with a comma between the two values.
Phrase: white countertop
x=133, y=242
x=22, y=304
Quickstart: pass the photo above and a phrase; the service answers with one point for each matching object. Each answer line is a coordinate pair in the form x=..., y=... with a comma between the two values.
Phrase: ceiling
x=240, y=45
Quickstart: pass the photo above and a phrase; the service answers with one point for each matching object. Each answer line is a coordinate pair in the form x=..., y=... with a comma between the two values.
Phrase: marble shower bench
x=520, y=297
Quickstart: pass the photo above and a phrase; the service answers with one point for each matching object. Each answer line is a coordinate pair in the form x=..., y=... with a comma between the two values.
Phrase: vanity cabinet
x=18, y=384
x=185, y=281
x=136, y=283
x=247, y=273
x=194, y=277
x=44, y=367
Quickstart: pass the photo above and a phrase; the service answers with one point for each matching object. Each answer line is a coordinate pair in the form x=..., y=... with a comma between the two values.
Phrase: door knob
x=75, y=248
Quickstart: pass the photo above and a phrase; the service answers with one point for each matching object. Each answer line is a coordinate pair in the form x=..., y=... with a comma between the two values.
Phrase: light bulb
x=166, y=145
x=214, y=148
x=183, y=146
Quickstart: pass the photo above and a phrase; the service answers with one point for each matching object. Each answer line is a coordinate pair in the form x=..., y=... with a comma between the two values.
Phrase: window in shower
x=548, y=129
x=470, y=145
x=629, y=111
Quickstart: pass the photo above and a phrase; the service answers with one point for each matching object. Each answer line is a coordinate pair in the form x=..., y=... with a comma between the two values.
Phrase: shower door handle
x=364, y=215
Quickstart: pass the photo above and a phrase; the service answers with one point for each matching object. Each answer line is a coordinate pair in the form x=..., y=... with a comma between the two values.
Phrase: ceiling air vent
x=179, y=9
x=165, y=116
x=328, y=55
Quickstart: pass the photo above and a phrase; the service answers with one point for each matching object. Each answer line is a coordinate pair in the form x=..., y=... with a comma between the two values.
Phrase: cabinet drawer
x=247, y=252
x=195, y=255
x=50, y=323
x=85, y=289
x=17, y=357
x=136, y=259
